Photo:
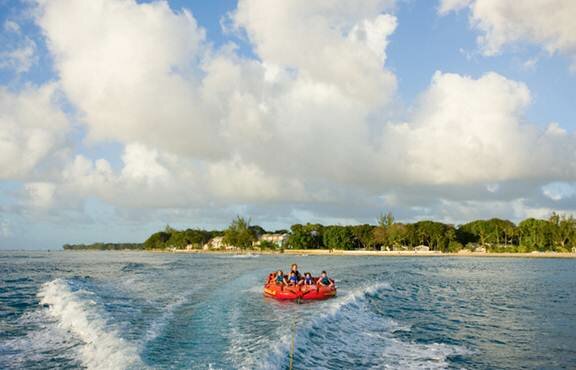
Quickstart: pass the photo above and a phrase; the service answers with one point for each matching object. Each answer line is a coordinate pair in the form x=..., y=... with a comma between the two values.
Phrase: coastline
x=335, y=252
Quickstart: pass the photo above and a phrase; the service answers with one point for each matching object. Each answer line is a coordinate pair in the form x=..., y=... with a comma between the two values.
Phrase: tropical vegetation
x=557, y=233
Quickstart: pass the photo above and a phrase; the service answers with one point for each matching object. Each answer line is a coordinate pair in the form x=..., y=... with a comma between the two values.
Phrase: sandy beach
x=335, y=252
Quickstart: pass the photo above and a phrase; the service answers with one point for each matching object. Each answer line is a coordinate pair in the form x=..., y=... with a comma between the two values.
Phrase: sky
x=118, y=117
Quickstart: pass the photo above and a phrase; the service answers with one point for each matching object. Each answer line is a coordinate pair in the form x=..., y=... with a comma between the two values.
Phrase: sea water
x=134, y=310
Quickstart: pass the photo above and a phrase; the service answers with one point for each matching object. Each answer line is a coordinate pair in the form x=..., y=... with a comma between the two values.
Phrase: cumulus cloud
x=304, y=124
x=172, y=93
x=333, y=43
x=18, y=52
x=40, y=194
x=129, y=70
x=20, y=59
x=447, y=6
x=549, y=23
x=473, y=131
x=32, y=129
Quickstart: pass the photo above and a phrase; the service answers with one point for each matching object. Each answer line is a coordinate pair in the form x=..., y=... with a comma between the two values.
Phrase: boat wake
x=334, y=336
x=76, y=311
x=242, y=256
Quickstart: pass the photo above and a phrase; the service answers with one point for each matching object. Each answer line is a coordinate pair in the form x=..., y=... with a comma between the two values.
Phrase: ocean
x=136, y=310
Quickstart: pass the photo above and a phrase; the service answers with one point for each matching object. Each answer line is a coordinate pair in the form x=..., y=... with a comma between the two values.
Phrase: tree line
x=557, y=233
x=104, y=246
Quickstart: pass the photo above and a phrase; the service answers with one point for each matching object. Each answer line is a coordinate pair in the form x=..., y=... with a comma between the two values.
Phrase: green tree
x=435, y=235
x=339, y=237
x=536, y=234
x=307, y=236
x=386, y=219
x=563, y=230
x=257, y=230
x=239, y=234
x=157, y=240
x=363, y=235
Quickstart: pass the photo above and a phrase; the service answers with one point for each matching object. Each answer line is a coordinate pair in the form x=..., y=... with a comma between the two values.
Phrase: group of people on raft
x=294, y=278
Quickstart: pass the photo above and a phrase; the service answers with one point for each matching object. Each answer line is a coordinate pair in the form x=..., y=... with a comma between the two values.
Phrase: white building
x=278, y=239
x=215, y=243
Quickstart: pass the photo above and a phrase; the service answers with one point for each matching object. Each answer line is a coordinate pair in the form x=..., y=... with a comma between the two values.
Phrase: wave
x=276, y=352
x=133, y=267
x=159, y=324
x=42, y=341
x=249, y=255
x=323, y=341
x=76, y=311
x=400, y=355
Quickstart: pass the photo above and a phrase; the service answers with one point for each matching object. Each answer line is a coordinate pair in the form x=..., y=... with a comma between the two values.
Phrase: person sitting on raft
x=308, y=279
x=293, y=279
x=279, y=278
x=324, y=280
x=294, y=269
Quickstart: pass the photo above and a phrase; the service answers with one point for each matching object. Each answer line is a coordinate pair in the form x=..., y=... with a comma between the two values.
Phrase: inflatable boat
x=297, y=292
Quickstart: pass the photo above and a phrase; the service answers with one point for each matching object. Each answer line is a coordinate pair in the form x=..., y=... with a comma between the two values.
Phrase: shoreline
x=348, y=253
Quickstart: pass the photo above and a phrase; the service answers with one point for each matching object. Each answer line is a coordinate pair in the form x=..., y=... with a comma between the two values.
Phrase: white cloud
x=472, y=131
x=303, y=125
x=20, y=59
x=559, y=190
x=11, y=26
x=447, y=6
x=17, y=51
x=40, y=194
x=32, y=129
x=334, y=43
x=130, y=71
x=5, y=230
x=451, y=211
x=549, y=23
x=492, y=187
x=530, y=64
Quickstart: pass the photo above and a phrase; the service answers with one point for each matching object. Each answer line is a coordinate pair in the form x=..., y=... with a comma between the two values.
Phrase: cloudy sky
x=118, y=117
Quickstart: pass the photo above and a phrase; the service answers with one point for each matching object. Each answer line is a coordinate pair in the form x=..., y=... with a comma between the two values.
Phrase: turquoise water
x=115, y=310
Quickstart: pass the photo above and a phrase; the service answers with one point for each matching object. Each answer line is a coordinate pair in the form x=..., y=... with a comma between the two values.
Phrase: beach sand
x=337, y=252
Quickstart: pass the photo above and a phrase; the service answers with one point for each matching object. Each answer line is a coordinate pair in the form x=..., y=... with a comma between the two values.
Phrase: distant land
x=556, y=234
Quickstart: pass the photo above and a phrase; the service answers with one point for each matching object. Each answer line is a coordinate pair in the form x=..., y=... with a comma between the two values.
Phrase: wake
x=77, y=312
x=348, y=333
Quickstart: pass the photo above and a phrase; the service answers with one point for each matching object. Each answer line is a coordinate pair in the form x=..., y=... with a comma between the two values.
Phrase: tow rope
x=293, y=346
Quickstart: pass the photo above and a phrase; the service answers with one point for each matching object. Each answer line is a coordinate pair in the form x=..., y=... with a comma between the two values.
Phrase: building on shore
x=218, y=243
x=215, y=243
x=279, y=240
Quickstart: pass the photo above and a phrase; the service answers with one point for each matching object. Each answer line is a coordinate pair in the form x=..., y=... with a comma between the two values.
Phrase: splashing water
x=143, y=310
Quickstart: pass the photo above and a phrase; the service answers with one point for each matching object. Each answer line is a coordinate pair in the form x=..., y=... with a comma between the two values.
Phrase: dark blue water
x=115, y=310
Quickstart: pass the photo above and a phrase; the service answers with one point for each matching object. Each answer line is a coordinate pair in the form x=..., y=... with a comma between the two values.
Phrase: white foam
x=37, y=344
x=159, y=324
x=378, y=332
x=249, y=255
x=401, y=355
x=280, y=347
x=353, y=297
x=77, y=312
x=255, y=289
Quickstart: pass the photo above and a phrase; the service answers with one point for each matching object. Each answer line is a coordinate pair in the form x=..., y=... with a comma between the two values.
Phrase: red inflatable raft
x=297, y=292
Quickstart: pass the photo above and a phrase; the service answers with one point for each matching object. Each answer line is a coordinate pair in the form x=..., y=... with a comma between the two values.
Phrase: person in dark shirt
x=294, y=269
x=324, y=280
x=279, y=278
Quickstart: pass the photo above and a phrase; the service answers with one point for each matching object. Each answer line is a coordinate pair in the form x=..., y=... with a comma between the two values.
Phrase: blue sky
x=269, y=118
